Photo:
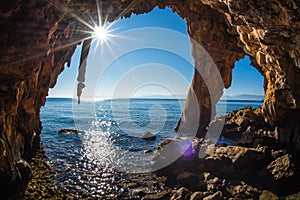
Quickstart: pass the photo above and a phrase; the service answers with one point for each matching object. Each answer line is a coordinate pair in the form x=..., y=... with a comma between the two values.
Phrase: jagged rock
x=189, y=180
x=267, y=195
x=197, y=196
x=148, y=136
x=239, y=156
x=215, y=196
x=181, y=194
x=142, y=191
x=282, y=167
x=161, y=195
x=247, y=117
x=279, y=153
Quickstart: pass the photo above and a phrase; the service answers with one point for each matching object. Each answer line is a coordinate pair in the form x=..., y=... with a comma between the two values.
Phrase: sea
x=94, y=163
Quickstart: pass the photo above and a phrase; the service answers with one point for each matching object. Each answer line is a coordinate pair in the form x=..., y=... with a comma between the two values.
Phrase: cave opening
x=267, y=138
x=133, y=90
x=247, y=88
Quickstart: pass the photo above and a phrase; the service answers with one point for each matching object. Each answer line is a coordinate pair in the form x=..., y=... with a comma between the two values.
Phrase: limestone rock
x=267, y=31
x=247, y=117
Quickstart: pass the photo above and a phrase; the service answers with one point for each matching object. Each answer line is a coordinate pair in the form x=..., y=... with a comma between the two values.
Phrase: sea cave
x=38, y=39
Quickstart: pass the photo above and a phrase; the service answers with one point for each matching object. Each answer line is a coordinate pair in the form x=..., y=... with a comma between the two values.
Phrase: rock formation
x=39, y=37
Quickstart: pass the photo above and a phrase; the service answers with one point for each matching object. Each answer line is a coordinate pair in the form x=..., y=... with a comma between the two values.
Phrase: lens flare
x=101, y=33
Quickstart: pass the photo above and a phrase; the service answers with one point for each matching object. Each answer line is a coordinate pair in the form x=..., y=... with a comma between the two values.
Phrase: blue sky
x=149, y=55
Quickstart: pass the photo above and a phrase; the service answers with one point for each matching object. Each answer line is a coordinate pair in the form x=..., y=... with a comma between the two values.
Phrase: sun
x=100, y=33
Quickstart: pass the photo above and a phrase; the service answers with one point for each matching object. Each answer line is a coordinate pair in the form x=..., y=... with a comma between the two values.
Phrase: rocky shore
x=42, y=184
x=256, y=167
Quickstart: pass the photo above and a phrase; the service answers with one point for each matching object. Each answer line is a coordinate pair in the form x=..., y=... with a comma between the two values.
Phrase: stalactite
x=82, y=67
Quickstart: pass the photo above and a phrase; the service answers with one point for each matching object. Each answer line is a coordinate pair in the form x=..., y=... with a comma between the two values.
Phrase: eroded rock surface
x=259, y=167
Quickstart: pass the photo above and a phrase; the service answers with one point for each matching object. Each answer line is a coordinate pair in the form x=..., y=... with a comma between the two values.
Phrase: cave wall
x=39, y=37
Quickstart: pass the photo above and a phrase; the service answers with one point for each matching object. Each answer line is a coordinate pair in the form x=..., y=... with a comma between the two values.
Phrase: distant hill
x=244, y=97
x=251, y=97
x=159, y=96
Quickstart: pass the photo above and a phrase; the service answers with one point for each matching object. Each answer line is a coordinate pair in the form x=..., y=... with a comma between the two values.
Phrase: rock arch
x=39, y=37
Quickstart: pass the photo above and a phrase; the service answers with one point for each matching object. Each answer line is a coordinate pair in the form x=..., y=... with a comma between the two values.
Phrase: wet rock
x=142, y=191
x=148, y=136
x=159, y=196
x=148, y=151
x=69, y=131
x=165, y=142
x=282, y=167
x=68, y=169
x=41, y=185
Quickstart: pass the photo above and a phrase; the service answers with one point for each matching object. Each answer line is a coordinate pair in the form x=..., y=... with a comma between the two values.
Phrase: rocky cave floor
x=257, y=166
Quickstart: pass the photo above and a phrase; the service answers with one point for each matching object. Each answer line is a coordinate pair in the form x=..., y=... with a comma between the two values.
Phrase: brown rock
x=197, y=196
x=181, y=194
x=267, y=195
x=215, y=196
x=161, y=195
x=282, y=167
x=189, y=180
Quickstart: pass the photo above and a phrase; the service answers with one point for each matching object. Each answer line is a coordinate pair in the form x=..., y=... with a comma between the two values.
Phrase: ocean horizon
x=157, y=98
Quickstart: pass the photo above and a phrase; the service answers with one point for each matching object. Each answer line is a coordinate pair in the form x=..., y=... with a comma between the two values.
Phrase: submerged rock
x=69, y=131
x=148, y=136
x=148, y=151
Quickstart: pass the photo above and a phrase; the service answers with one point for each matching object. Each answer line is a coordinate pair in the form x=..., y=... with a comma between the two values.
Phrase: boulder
x=69, y=131
x=247, y=117
x=147, y=135
x=267, y=195
x=282, y=167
